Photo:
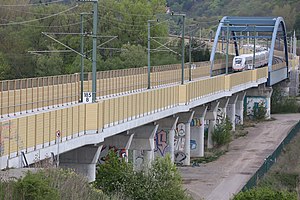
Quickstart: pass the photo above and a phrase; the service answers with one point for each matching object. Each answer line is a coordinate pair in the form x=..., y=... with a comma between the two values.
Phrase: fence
x=270, y=160
x=28, y=95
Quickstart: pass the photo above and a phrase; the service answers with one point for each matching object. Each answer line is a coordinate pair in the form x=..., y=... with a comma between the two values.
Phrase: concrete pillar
x=197, y=132
x=119, y=143
x=165, y=136
x=211, y=115
x=143, y=146
x=171, y=144
x=239, y=109
x=185, y=156
x=222, y=110
x=231, y=110
x=83, y=160
x=211, y=127
x=187, y=147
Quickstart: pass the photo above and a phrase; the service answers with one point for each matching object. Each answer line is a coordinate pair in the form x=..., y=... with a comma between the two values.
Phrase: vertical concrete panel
x=53, y=127
x=22, y=130
x=75, y=125
x=81, y=118
x=13, y=144
x=106, y=112
x=46, y=128
x=39, y=130
x=31, y=134
x=91, y=116
x=64, y=120
x=4, y=138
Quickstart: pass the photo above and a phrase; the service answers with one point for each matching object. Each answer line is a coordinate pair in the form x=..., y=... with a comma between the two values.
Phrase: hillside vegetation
x=202, y=10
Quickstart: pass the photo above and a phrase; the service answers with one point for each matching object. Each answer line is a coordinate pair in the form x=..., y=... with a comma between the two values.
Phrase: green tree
x=48, y=65
x=222, y=133
x=133, y=56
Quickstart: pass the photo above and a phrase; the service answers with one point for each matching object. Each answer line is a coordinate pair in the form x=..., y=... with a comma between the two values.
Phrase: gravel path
x=220, y=179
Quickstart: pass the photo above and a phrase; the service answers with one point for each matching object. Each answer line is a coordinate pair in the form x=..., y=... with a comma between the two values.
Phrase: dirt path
x=220, y=179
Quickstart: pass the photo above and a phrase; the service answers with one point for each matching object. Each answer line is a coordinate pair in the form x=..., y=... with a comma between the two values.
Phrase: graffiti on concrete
x=179, y=143
x=161, y=142
x=139, y=160
x=221, y=114
x=8, y=133
x=5, y=129
x=237, y=119
x=179, y=157
x=122, y=153
x=193, y=144
x=196, y=122
x=253, y=103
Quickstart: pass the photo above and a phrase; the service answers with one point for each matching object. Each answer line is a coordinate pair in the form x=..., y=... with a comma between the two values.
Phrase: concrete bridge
x=44, y=117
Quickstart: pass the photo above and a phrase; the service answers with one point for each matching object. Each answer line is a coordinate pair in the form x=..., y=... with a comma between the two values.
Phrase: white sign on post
x=87, y=97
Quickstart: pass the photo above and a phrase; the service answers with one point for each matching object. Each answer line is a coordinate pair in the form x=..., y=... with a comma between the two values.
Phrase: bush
x=260, y=112
x=161, y=181
x=222, y=133
x=50, y=184
x=264, y=194
x=283, y=104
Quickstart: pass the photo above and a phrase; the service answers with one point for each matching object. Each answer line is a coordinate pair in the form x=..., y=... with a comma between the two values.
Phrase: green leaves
x=162, y=181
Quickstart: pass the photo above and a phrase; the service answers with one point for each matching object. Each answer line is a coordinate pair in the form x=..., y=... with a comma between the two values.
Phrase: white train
x=245, y=61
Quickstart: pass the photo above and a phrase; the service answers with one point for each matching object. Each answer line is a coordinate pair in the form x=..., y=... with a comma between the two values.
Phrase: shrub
x=283, y=104
x=265, y=193
x=50, y=184
x=222, y=133
x=161, y=181
x=260, y=112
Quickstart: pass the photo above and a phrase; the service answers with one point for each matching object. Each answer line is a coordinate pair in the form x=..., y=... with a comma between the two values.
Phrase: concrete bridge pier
x=211, y=116
x=165, y=137
x=119, y=143
x=222, y=110
x=231, y=110
x=143, y=146
x=239, y=114
x=260, y=96
x=197, y=132
x=83, y=160
x=183, y=138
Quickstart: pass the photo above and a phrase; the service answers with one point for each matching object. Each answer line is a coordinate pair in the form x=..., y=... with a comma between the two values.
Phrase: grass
x=285, y=173
x=209, y=156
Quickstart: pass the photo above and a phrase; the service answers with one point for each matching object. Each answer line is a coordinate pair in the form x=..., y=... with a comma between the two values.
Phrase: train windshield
x=238, y=61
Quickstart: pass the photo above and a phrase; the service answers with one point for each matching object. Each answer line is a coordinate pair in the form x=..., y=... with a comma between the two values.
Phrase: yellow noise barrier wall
x=31, y=132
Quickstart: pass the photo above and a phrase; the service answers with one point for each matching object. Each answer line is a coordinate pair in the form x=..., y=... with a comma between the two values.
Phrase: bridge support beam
x=231, y=110
x=239, y=114
x=83, y=160
x=197, y=132
x=211, y=116
x=119, y=143
x=183, y=138
x=143, y=146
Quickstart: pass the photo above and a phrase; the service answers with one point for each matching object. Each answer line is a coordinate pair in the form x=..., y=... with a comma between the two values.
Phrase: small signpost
x=58, y=134
x=87, y=97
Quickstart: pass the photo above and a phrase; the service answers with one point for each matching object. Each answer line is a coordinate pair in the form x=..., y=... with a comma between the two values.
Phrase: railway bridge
x=44, y=118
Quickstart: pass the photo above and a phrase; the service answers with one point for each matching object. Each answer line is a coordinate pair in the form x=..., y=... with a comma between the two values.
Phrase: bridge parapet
x=34, y=132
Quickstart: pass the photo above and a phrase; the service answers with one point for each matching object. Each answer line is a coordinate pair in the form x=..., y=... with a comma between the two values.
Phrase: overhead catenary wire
x=33, y=20
x=33, y=13
x=32, y=4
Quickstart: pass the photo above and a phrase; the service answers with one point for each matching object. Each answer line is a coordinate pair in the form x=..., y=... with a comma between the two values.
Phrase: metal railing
x=32, y=94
